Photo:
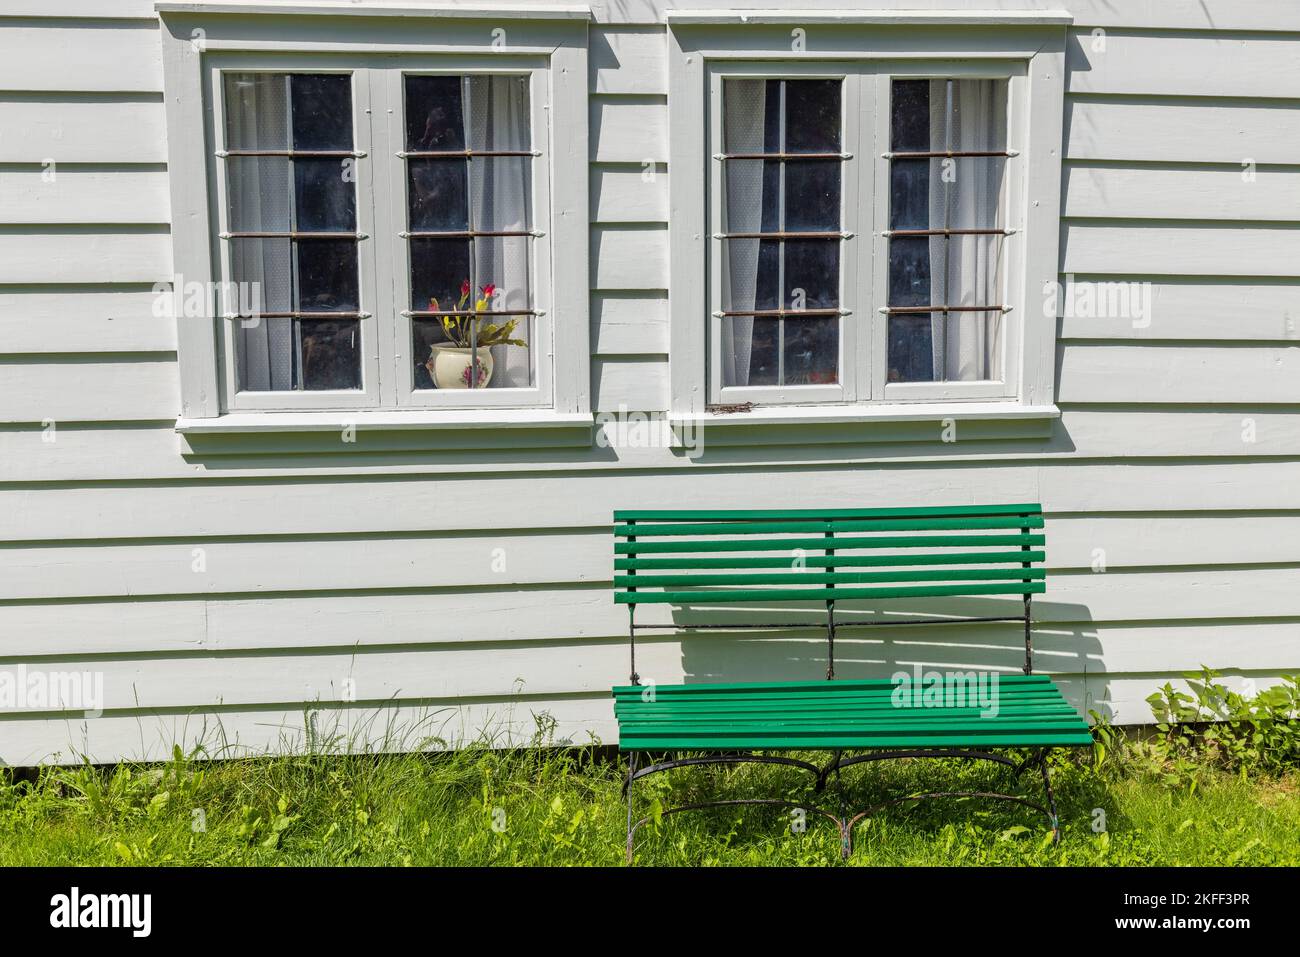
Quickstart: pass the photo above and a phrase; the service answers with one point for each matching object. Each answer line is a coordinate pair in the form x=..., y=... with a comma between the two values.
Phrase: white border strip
x=1001, y=18
x=480, y=12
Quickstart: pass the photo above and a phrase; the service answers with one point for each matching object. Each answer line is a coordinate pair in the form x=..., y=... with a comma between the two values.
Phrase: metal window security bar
x=468, y=154
x=945, y=307
x=781, y=156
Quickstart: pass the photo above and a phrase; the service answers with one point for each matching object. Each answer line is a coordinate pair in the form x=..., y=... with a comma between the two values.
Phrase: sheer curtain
x=259, y=190
x=497, y=114
x=965, y=270
x=746, y=108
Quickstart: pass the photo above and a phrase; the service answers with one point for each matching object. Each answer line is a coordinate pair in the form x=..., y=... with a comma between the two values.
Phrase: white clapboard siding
x=634, y=324
x=88, y=389
x=1170, y=129
x=39, y=321
x=1185, y=250
x=84, y=256
x=629, y=129
x=1074, y=603
x=99, y=9
x=500, y=721
x=1168, y=191
x=628, y=60
x=206, y=509
x=1175, y=373
x=83, y=194
x=82, y=128
x=629, y=193
x=1122, y=433
x=1194, y=309
x=502, y=559
x=629, y=257
x=634, y=385
x=1183, y=65
x=110, y=57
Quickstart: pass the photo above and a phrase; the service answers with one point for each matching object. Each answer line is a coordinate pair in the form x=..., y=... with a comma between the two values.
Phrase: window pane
x=911, y=348
x=498, y=112
x=812, y=116
x=439, y=268
x=756, y=343
x=262, y=269
x=812, y=195
x=812, y=274
x=811, y=350
x=327, y=275
x=909, y=194
x=257, y=111
x=322, y=111
x=325, y=198
x=974, y=192
x=266, y=355
x=434, y=116
x=331, y=353
x=258, y=193
x=438, y=191
x=752, y=123
x=909, y=271
x=910, y=116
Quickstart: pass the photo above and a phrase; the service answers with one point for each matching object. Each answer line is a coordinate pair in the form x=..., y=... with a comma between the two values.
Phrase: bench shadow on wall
x=1065, y=643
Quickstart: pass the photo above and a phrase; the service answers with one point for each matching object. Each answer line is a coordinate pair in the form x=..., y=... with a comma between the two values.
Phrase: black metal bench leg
x=631, y=773
x=1051, y=799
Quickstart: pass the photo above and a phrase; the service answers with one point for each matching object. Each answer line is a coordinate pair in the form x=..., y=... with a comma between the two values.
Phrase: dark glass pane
x=327, y=275
x=909, y=194
x=911, y=352
x=812, y=274
x=322, y=111
x=812, y=116
x=909, y=119
x=325, y=197
x=259, y=193
x=435, y=117
x=439, y=194
x=812, y=195
x=772, y=116
x=425, y=333
x=812, y=349
x=331, y=354
x=767, y=277
x=438, y=269
x=261, y=270
x=765, y=345
x=257, y=111
x=909, y=271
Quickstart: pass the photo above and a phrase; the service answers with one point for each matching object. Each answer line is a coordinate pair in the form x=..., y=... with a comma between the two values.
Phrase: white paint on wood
x=635, y=324
x=1157, y=374
x=88, y=388
x=1205, y=64
x=629, y=257
x=81, y=128
x=629, y=129
x=88, y=255
x=90, y=57
x=628, y=60
x=1174, y=191
x=1180, y=130
x=54, y=194
x=631, y=193
x=1192, y=308
x=1203, y=249
x=633, y=385
x=74, y=319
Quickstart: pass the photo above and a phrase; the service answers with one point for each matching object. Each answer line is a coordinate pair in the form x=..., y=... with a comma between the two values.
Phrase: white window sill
x=847, y=415
x=236, y=423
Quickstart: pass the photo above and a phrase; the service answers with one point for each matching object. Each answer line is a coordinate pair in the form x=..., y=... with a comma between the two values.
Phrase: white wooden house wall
x=1177, y=453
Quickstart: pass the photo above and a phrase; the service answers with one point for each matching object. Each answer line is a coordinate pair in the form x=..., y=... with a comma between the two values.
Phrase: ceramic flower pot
x=452, y=367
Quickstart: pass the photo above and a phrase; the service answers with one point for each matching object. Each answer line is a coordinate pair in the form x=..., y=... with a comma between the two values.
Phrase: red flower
x=488, y=290
x=464, y=288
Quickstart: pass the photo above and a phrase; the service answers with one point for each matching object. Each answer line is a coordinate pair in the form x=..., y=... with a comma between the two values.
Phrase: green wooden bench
x=790, y=558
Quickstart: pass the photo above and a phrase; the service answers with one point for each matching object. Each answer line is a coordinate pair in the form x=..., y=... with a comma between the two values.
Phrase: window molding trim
x=697, y=39
x=559, y=33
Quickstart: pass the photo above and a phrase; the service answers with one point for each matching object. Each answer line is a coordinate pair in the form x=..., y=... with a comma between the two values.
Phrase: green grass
x=549, y=806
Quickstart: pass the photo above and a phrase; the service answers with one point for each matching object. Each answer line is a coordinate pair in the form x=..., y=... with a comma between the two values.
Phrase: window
x=381, y=210
x=456, y=150
x=875, y=228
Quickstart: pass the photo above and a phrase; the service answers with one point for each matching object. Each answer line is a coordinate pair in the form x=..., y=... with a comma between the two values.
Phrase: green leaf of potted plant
x=470, y=337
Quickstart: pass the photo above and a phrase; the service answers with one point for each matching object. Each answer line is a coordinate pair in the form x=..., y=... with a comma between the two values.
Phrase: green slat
x=823, y=594
x=687, y=515
x=836, y=525
x=836, y=542
x=830, y=578
x=834, y=561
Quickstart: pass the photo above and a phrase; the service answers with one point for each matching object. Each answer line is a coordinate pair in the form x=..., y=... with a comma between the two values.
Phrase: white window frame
x=1027, y=49
x=548, y=44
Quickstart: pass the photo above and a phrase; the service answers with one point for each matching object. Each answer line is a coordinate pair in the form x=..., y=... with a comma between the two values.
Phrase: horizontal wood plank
x=112, y=319
x=1159, y=374
x=88, y=255
x=628, y=60
x=1143, y=249
x=103, y=56
x=628, y=193
x=629, y=129
x=90, y=389
x=1173, y=191
x=82, y=128
x=629, y=257
x=83, y=194
x=1188, y=308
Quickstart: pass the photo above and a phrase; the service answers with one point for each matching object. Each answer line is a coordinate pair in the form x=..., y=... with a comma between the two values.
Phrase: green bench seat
x=818, y=559
x=839, y=715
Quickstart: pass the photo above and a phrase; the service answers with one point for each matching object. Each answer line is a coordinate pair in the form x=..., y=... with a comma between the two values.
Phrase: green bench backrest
x=711, y=556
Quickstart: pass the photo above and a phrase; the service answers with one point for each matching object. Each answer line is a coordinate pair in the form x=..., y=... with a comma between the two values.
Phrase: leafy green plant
x=464, y=331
